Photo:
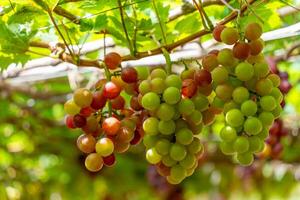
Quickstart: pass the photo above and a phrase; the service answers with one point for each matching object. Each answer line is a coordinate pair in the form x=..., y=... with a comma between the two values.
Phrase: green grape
x=166, y=127
x=253, y=31
x=157, y=85
x=245, y=159
x=173, y=81
x=228, y=134
x=150, y=101
x=264, y=86
x=173, y=181
x=150, y=141
x=226, y=58
x=186, y=106
x=277, y=111
x=201, y=102
x=276, y=93
x=253, y=126
x=158, y=73
x=249, y=108
x=229, y=106
x=168, y=161
x=71, y=108
x=153, y=156
x=172, y=95
x=275, y=79
x=162, y=146
x=195, y=117
x=235, y=82
x=165, y=112
x=244, y=71
x=83, y=97
x=177, y=172
x=230, y=35
x=241, y=144
x=143, y=72
x=224, y=92
x=234, y=118
x=240, y=94
x=217, y=103
x=178, y=152
x=105, y=147
x=261, y=69
x=184, y=136
x=263, y=134
x=219, y=75
x=227, y=148
x=180, y=123
x=255, y=144
x=266, y=118
x=150, y=126
x=144, y=87
x=188, y=162
x=191, y=170
x=268, y=103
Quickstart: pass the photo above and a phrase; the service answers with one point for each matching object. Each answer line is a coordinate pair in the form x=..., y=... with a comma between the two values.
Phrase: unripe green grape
x=245, y=159
x=240, y=94
x=188, y=162
x=229, y=35
x=71, y=108
x=157, y=85
x=217, y=103
x=253, y=126
x=201, y=102
x=168, y=161
x=228, y=134
x=173, y=181
x=224, y=92
x=263, y=134
x=261, y=69
x=255, y=144
x=191, y=170
x=253, y=31
x=264, y=86
x=184, y=136
x=241, y=144
x=105, y=147
x=186, y=106
x=166, y=127
x=252, y=59
x=266, y=118
x=83, y=97
x=195, y=146
x=275, y=79
x=227, y=148
x=163, y=146
x=177, y=172
x=195, y=117
x=229, y=106
x=226, y=58
x=276, y=93
x=173, y=81
x=249, y=108
x=158, y=73
x=165, y=112
x=172, y=95
x=144, y=87
x=268, y=103
x=150, y=126
x=219, y=75
x=234, y=117
x=150, y=141
x=153, y=156
x=244, y=71
x=150, y=101
x=277, y=111
x=143, y=72
x=178, y=152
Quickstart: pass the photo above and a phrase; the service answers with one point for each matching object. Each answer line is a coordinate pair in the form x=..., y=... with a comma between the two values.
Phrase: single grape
x=219, y=75
x=92, y=125
x=228, y=134
x=111, y=90
x=275, y=80
x=209, y=62
x=241, y=50
x=241, y=144
x=111, y=125
x=217, y=32
x=227, y=148
x=275, y=92
x=195, y=117
x=253, y=126
x=189, y=88
x=134, y=103
x=163, y=146
x=70, y=122
x=224, y=92
x=157, y=85
x=143, y=72
x=79, y=121
x=266, y=118
x=234, y=118
x=201, y=102
x=181, y=123
x=165, y=112
x=229, y=106
x=83, y=97
x=121, y=147
x=129, y=75
x=188, y=162
x=256, y=46
x=86, y=143
x=166, y=127
x=202, y=78
x=172, y=95
x=245, y=159
x=173, y=80
x=240, y=94
x=244, y=71
x=253, y=31
x=255, y=144
x=124, y=134
x=104, y=147
x=226, y=58
x=229, y=35
x=184, y=136
x=261, y=69
x=144, y=87
x=264, y=86
x=109, y=160
x=150, y=126
x=188, y=73
x=71, y=108
x=177, y=173
x=268, y=103
x=249, y=108
x=186, y=106
x=177, y=152
x=153, y=156
x=118, y=103
x=150, y=140
x=98, y=101
x=112, y=60
x=86, y=112
x=158, y=73
x=150, y=101
x=94, y=162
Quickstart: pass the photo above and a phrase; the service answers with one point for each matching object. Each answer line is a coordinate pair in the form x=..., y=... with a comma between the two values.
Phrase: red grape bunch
x=108, y=126
x=178, y=108
x=248, y=92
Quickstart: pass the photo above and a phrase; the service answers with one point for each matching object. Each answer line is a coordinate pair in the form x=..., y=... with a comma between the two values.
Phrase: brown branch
x=62, y=12
x=289, y=52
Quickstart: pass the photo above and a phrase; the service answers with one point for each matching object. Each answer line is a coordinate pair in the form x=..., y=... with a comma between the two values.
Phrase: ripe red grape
x=111, y=125
x=129, y=75
x=112, y=60
x=111, y=90
x=118, y=103
x=79, y=121
x=217, y=32
x=98, y=101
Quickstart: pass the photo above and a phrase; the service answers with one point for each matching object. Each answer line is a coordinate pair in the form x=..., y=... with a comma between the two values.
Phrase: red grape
x=241, y=50
x=202, y=77
x=134, y=103
x=79, y=121
x=99, y=100
x=118, y=103
x=112, y=60
x=86, y=112
x=217, y=32
x=69, y=122
x=111, y=90
x=111, y=125
x=189, y=88
x=136, y=139
x=129, y=75
x=109, y=160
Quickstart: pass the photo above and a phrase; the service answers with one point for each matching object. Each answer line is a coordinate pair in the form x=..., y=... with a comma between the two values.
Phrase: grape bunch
x=246, y=90
x=108, y=126
x=175, y=118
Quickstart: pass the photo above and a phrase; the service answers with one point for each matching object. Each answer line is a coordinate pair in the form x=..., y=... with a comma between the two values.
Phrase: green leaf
x=86, y=25
x=189, y=24
x=100, y=22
